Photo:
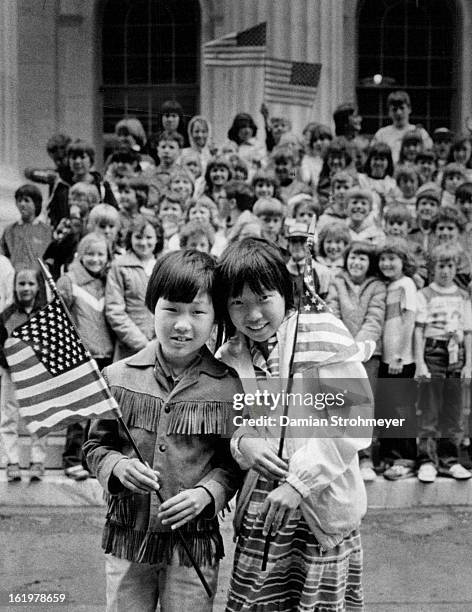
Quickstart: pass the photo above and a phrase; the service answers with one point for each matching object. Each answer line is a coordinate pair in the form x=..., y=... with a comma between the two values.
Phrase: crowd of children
x=147, y=257
x=387, y=223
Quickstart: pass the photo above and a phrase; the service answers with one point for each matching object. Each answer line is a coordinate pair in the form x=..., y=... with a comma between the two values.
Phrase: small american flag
x=245, y=48
x=56, y=380
x=287, y=82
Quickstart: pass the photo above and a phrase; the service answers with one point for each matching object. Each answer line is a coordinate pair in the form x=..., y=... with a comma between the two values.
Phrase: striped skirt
x=299, y=576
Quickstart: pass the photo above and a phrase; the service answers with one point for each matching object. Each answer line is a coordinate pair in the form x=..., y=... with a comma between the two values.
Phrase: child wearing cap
x=297, y=236
x=360, y=223
x=442, y=140
x=428, y=201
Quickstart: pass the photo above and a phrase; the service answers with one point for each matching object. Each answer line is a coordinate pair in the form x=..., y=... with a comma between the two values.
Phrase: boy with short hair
x=168, y=150
x=285, y=163
x=335, y=212
x=399, y=110
x=426, y=166
x=361, y=226
x=27, y=239
x=442, y=141
x=408, y=183
x=443, y=341
x=428, y=201
x=270, y=213
x=448, y=228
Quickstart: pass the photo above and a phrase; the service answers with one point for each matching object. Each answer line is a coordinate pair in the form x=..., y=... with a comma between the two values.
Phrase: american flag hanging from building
x=287, y=82
x=56, y=380
x=246, y=48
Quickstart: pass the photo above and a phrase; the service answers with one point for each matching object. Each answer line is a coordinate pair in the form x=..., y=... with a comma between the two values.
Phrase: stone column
x=9, y=172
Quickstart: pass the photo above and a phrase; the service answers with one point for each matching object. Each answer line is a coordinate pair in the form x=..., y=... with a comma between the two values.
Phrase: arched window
x=150, y=54
x=406, y=44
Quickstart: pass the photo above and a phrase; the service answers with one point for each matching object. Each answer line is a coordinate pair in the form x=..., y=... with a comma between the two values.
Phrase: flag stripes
x=245, y=48
x=288, y=82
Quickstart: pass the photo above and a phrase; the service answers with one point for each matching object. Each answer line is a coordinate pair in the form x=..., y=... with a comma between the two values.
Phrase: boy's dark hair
x=30, y=191
x=265, y=176
x=256, y=262
x=242, y=193
x=338, y=148
x=379, y=149
x=464, y=193
x=79, y=147
x=241, y=120
x=399, y=246
x=459, y=143
x=179, y=275
x=398, y=97
x=449, y=214
x=138, y=224
x=58, y=141
x=124, y=156
x=171, y=137
x=398, y=214
x=364, y=248
x=405, y=172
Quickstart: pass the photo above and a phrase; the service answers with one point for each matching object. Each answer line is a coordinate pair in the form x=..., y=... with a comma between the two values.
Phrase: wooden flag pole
x=52, y=286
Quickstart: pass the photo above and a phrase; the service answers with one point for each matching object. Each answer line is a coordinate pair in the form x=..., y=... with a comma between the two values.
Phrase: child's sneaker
x=13, y=472
x=367, y=471
x=402, y=468
x=427, y=472
x=459, y=472
x=76, y=472
x=36, y=472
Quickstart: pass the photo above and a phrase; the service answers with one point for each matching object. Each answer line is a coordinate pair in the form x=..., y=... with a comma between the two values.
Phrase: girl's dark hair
x=30, y=191
x=339, y=147
x=464, y=192
x=213, y=163
x=79, y=147
x=172, y=106
x=320, y=131
x=413, y=137
x=138, y=224
x=399, y=246
x=449, y=214
x=459, y=143
x=379, y=149
x=241, y=120
x=364, y=248
x=341, y=119
x=256, y=262
x=179, y=275
x=41, y=297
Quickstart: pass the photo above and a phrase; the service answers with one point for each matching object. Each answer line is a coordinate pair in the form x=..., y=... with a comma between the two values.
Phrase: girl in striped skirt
x=311, y=499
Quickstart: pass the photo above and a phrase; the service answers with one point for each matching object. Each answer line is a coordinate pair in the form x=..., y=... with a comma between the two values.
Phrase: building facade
x=77, y=66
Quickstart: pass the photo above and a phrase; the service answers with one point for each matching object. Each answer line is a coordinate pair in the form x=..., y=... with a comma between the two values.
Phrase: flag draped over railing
x=56, y=380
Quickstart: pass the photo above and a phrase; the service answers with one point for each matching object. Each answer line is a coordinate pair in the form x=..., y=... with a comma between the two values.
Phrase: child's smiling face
x=444, y=272
x=257, y=316
x=358, y=209
x=426, y=209
x=183, y=328
x=263, y=189
x=378, y=166
x=396, y=228
x=452, y=182
x=95, y=257
x=334, y=248
x=391, y=266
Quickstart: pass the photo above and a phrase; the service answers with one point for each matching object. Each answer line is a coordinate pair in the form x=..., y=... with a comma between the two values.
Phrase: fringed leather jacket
x=183, y=429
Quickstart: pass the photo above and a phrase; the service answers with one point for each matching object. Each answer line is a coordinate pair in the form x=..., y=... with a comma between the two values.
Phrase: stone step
x=57, y=490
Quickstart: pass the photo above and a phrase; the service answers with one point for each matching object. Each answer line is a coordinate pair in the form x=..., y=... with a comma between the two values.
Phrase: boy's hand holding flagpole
x=58, y=383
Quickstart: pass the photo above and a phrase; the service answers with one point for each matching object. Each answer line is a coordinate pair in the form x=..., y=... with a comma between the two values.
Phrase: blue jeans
x=440, y=402
x=139, y=587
